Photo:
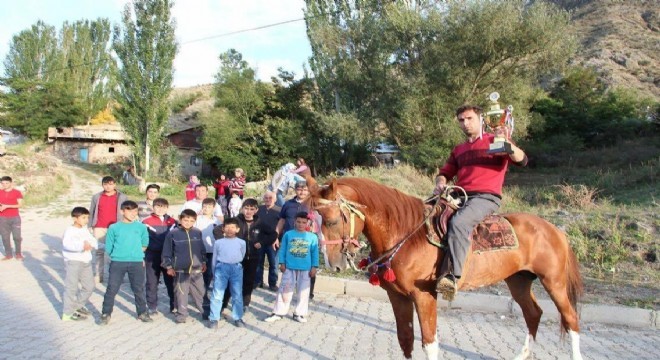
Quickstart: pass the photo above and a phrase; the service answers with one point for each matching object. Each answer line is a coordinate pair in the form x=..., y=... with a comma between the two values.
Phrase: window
x=111, y=149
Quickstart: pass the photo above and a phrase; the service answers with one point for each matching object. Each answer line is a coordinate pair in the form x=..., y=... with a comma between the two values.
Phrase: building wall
x=98, y=153
x=188, y=164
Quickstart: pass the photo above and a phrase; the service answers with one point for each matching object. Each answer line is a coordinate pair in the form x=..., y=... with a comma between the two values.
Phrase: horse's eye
x=331, y=222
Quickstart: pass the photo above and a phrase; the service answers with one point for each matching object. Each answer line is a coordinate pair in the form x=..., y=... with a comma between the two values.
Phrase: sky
x=197, y=62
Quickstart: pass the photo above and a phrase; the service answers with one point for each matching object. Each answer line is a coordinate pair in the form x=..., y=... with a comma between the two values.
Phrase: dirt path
x=83, y=184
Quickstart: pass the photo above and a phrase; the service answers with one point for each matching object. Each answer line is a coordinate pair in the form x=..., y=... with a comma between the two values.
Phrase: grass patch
x=43, y=193
x=174, y=193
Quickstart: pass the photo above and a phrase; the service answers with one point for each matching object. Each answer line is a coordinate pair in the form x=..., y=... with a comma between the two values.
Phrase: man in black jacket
x=184, y=257
x=255, y=233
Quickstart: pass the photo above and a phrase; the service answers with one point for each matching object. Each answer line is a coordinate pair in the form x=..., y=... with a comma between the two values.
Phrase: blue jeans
x=271, y=254
x=224, y=274
x=279, y=198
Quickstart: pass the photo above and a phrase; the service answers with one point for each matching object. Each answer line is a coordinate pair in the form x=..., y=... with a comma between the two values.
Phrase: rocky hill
x=621, y=40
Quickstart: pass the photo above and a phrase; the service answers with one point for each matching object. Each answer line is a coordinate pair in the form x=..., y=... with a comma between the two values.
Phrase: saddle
x=492, y=234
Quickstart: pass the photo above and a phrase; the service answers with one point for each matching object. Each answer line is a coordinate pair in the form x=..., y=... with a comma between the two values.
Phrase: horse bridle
x=345, y=206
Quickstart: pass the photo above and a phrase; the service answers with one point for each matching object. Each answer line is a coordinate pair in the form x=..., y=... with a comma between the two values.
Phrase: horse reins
x=351, y=207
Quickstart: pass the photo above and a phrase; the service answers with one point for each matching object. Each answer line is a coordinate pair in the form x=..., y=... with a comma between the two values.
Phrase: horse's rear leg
x=557, y=287
x=403, y=313
x=520, y=285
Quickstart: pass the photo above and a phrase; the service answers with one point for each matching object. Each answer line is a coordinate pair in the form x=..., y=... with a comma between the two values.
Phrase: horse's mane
x=403, y=212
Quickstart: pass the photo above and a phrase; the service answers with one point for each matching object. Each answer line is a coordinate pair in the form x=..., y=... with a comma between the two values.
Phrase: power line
x=242, y=31
x=187, y=42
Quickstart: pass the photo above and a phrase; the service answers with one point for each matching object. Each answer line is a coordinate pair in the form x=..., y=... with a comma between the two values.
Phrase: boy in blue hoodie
x=299, y=259
x=184, y=257
x=158, y=225
x=125, y=243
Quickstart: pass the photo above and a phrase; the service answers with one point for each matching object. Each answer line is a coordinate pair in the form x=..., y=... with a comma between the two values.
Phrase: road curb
x=604, y=314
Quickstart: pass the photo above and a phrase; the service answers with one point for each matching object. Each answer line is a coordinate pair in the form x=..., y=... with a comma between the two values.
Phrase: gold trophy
x=500, y=122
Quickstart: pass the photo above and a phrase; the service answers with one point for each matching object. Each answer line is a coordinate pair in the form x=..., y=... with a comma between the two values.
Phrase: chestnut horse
x=393, y=223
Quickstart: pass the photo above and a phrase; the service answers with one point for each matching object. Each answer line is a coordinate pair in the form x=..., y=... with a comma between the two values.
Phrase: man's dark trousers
x=136, y=276
x=152, y=262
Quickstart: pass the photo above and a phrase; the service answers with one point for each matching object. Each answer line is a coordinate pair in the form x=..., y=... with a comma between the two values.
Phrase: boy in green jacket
x=125, y=244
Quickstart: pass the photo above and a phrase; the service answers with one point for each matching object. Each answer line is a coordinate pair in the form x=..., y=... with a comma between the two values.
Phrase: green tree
x=84, y=48
x=404, y=66
x=33, y=54
x=32, y=107
x=145, y=47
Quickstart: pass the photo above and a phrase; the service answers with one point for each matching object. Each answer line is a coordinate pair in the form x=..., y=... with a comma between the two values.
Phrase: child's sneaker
x=239, y=323
x=299, y=318
x=180, y=319
x=273, y=318
x=105, y=319
x=75, y=317
x=83, y=311
x=144, y=317
x=213, y=324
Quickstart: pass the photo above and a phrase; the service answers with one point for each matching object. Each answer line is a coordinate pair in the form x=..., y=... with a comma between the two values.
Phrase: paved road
x=339, y=327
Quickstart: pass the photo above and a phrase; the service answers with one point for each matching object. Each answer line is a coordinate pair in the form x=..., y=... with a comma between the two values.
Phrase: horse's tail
x=574, y=287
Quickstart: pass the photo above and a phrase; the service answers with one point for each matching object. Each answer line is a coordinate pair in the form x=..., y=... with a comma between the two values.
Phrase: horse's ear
x=333, y=188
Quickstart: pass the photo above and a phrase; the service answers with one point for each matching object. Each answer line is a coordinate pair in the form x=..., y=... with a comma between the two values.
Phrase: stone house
x=187, y=141
x=99, y=144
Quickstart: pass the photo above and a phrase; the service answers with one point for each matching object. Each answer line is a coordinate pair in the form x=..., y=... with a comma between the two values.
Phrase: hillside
x=621, y=39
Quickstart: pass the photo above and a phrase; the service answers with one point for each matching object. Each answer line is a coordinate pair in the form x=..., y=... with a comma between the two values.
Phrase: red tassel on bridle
x=389, y=275
x=363, y=264
x=374, y=280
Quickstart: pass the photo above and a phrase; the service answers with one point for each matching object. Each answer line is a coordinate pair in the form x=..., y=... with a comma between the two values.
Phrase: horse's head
x=343, y=221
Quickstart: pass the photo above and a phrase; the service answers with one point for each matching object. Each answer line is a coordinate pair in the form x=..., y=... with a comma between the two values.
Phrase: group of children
x=190, y=255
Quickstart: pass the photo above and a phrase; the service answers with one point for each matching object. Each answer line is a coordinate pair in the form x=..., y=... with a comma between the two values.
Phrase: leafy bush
x=581, y=110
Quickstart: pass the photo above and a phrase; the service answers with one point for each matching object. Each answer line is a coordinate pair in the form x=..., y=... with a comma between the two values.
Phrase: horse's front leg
x=403, y=313
x=427, y=312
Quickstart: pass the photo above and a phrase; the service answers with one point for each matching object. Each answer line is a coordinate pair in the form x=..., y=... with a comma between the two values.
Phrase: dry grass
x=579, y=196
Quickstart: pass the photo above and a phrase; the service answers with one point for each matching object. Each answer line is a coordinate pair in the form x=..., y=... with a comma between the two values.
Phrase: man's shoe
x=213, y=324
x=299, y=318
x=153, y=312
x=273, y=288
x=144, y=317
x=447, y=287
x=105, y=319
x=180, y=319
x=19, y=257
x=83, y=311
x=273, y=318
x=239, y=323
x=8, y=257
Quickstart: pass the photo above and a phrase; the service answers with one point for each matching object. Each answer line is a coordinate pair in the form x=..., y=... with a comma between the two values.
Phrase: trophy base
x=501, y=148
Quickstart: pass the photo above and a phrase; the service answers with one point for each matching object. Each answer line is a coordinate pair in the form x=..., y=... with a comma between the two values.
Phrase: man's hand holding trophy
x=500, y=122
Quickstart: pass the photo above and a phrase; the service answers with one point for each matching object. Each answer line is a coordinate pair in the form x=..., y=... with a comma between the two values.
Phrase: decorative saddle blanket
x=493, y=233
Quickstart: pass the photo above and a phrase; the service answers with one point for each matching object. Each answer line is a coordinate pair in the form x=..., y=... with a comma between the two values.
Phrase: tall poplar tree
x=146, y=47
x=87, y=62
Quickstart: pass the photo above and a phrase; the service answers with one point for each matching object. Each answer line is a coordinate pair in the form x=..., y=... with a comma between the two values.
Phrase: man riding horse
x=481, y=174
